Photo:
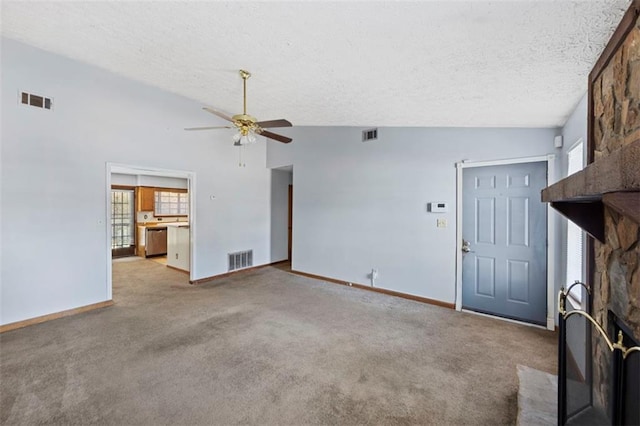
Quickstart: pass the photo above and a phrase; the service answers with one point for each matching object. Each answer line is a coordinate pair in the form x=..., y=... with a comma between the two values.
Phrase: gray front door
x=504, y=228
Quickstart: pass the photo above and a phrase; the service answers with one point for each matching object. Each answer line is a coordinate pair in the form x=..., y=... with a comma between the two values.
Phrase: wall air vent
x=36, y=100
x=369, y=135
x=240, y=260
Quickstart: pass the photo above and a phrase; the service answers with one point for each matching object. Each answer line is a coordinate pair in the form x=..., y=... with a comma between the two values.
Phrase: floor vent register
x=240, y=260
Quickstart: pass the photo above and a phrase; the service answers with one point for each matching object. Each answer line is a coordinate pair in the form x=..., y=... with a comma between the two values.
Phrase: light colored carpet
x=264, y=347
x=537, y=397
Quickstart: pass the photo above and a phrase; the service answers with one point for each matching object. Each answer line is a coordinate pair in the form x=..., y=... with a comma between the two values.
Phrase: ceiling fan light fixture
x=244, y=137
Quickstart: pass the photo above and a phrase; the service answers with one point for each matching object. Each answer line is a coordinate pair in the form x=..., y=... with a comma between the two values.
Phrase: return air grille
x=36, y=100
x=240, y=260
x=369, y=135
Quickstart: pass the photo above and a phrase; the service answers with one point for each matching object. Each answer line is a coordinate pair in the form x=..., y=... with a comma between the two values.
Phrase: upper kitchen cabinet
x=145, y=199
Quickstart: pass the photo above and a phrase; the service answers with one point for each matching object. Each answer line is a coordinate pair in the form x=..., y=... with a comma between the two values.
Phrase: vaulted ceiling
x=434, y=63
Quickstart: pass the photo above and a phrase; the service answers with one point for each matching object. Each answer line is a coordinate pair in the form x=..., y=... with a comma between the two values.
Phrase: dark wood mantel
x=613, y=181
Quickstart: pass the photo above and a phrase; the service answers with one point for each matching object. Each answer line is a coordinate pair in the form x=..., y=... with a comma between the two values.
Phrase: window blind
x=575, y=235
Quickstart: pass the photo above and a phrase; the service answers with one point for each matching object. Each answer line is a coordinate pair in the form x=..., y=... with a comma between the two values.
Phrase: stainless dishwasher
x=156, y=241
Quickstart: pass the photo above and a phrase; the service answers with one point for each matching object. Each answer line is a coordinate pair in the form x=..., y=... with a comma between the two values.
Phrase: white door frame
x=550, y=159
x=150, y=171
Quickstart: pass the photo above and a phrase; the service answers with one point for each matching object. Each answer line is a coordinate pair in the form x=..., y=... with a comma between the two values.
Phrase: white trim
x=459, y=167
x=551, y=249
x=150, y=171
x=107, y=226
x=550, y=160
x=538, y=158
x=575, y=144
x=564, y=281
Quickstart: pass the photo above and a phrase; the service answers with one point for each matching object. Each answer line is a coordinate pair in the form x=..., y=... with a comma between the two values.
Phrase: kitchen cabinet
x=141, y=241
x=178, y=246
x=145, y=199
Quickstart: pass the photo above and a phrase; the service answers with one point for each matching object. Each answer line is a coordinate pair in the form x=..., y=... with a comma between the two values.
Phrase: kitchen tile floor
x=160, y=259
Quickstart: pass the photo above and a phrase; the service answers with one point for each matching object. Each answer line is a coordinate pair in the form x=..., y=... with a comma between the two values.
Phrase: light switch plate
x=442, y=223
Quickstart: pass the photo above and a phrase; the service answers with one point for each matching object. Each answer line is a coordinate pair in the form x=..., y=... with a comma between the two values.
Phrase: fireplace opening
x=598, y=369
x=627, y=400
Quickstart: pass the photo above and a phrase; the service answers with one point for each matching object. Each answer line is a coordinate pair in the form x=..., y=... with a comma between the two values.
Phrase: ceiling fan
x=248, y=127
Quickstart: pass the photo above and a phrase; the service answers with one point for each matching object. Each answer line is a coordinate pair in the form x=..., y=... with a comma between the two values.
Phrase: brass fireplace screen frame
x=619, y=350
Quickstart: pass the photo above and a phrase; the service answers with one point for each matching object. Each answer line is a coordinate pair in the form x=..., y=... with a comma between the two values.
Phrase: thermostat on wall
x=438, y=207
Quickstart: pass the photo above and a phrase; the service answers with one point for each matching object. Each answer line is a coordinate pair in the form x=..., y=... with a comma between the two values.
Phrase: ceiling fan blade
x=207, y=128
x=275, y=136
x=274, y=123
x=218, y=113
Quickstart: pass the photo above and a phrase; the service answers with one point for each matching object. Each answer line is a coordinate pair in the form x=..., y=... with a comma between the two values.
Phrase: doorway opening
x=492, y=276
x=290, y=224
x=146, y=203
x=281, y=214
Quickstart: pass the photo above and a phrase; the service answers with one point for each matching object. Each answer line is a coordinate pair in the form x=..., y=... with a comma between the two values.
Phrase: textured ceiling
x=438, y=63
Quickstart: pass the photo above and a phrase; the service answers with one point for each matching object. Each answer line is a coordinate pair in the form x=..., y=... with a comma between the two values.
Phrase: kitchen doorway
x=185, y=230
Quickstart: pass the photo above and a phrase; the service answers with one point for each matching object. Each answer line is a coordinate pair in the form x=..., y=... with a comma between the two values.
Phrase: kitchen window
x=169, y=203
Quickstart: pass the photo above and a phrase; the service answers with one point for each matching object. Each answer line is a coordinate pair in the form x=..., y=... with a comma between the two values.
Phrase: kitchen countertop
x=164, y=224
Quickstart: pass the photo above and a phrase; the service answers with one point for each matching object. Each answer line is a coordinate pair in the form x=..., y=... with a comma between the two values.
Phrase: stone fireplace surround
x=604, y=199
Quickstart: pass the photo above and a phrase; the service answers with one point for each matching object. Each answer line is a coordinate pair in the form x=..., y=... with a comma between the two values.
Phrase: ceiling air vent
x=36, y=100
x=369, y=135
x=240, y=260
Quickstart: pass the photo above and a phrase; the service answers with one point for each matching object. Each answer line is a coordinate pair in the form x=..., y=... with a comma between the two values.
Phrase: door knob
x=466, y=246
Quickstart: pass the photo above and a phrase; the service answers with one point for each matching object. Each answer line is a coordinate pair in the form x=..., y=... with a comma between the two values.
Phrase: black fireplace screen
x=628, y=395
x=578, y=365
x=617, y=360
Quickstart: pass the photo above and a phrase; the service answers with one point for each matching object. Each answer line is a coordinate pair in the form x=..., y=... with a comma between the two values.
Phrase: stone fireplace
x=604, y=199
x=616, y=296
x=615, y=124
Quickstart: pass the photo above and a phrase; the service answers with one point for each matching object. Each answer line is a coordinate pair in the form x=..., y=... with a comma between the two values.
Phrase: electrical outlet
x=441, y=223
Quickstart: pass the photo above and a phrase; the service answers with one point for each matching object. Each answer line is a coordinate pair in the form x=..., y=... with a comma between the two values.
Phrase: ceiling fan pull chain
x=240, y=163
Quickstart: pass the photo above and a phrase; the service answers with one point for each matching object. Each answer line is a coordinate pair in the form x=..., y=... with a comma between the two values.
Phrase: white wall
x=280, y=154
x=53, y=186
x=280, y=181
x=162, y=182
x=359, y=206
x=574, y=129
x=122, y=179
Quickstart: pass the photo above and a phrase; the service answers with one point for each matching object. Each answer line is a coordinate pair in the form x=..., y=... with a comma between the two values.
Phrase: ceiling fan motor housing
x=246, y=123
